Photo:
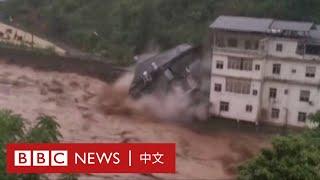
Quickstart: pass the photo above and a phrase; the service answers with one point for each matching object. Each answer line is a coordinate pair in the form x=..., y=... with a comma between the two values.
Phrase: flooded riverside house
x=265, y=70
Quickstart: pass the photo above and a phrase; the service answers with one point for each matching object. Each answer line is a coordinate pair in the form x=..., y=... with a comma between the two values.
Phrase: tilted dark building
x=179, y=66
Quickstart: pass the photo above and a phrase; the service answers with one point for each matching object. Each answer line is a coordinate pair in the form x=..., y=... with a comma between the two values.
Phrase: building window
x=257, y=67
x=248, y=108
x=255, y=92
x=234, y=63
x=273, y=93
x=279, y=47
x=293, y=71
x=276, y=68
x=232, y=42
x=247, y=44
x=275, y=113
x=246, y=64
x=304, y=96
x=256, y=45
x=224, y=106
x=311, y=71
x=240, y=63
x=219, y=65
x=220, y=42
x=217, y=87
x=238, y=86
x=286, y=91
x=302, y=117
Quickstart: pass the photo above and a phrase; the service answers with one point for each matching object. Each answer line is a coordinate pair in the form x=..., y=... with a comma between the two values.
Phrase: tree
x=291, y=157
x=45, y=131
x=315, y=119
x=13, y=130
x=68, y=177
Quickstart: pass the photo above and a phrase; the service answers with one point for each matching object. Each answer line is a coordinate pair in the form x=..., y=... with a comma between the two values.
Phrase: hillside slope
x=122, y=28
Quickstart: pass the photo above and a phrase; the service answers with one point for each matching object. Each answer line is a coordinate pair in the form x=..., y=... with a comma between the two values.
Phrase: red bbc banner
x=91, y=158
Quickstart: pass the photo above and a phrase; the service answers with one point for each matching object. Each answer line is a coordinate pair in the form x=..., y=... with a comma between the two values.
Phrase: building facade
x=265, y=70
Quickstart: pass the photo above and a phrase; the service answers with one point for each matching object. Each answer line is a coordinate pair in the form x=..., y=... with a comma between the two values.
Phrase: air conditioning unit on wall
x=311, y=103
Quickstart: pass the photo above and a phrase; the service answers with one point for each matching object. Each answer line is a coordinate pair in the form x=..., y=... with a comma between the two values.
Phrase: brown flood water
x=90, y=110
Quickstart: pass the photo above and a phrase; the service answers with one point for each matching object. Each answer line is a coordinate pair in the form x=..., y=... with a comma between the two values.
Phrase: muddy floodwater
x=88, y=111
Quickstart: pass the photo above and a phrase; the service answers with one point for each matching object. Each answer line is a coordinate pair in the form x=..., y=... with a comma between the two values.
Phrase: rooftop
x=260, y=25
x=291, y=25
x=246, y=24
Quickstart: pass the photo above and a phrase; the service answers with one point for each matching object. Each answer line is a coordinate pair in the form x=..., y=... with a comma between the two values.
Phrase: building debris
x=177, y=67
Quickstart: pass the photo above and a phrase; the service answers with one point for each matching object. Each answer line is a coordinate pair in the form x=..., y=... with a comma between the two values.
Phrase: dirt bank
x=83, y=65
x=75, y=101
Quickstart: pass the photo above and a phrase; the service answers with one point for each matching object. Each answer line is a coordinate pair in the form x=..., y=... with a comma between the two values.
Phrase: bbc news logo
x=40, y=158
x=91, y=158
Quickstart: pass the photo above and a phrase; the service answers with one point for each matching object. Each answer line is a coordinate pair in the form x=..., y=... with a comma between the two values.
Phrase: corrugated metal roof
x=246, y=24
x=263, y=25
x=165, y=57
x=291, y=25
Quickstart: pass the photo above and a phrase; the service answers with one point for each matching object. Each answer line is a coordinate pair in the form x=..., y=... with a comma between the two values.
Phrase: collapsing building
x=179, y=66
x=262, y=70
x=265, y=70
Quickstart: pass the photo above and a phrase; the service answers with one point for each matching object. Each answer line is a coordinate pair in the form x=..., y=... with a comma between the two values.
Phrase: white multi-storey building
x=265, y=70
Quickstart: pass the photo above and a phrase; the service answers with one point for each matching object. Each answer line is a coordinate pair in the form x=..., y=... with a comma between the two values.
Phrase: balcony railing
x=292, y=81
x=258, y=52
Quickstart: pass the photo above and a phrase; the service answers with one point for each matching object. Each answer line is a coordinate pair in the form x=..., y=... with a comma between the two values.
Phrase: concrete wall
x=237, y=102
x=292, y=78
x=289, y=102
x=254, y=74
x=19, y=37
x=288, y=51
x=287, y=71
x=242, y=38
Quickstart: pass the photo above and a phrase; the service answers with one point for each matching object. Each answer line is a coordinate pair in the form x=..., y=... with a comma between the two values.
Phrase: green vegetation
x=121, y=28
x=13, y=130
x=291, y=157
